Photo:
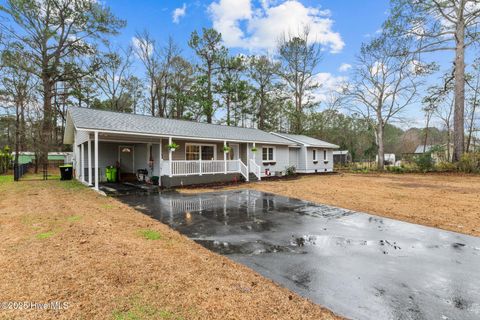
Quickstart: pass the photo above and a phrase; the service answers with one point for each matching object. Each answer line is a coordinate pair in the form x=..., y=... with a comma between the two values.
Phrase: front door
x=125, y=157
x=234, y=151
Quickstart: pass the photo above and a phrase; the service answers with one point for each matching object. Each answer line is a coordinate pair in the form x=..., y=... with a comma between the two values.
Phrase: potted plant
x=325, y=161
x=227, y=149
x=173, y=146
x=254, y=149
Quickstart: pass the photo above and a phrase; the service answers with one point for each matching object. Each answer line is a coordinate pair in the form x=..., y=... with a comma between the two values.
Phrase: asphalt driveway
x=358, y=265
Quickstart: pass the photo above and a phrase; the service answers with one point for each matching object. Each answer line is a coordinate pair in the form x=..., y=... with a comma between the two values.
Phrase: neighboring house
x=442, y=154
x=59, y=157
x=389, y=158
x=205, y=153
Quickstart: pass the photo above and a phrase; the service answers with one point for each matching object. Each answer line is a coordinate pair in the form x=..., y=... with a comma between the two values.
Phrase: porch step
x=127, y=188
x=252, y=177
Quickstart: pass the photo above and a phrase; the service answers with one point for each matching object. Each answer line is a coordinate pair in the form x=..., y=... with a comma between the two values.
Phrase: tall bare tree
x=17, y=88
x=384, y=83
x=473, y=102
x=299, y=58
x=442, y=25
x=50, y=31
x=167, y=55
x=113, y=74
x=147, y=51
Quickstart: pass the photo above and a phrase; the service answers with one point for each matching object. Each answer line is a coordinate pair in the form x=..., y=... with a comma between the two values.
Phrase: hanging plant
x=254, y=149
x=227, y=149
x=173, y=146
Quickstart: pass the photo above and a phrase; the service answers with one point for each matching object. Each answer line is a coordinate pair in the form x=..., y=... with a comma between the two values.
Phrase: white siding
x=301, y=160
x=281, y=159
x=293, y=156
x=320, y=165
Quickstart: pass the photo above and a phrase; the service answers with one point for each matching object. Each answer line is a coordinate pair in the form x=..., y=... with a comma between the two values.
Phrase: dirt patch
x=60, y=242
x=446, y=201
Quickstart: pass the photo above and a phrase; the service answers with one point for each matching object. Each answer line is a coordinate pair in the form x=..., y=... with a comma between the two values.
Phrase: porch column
x=254, y=154
x=96, y=160
x=170, y=152
x=248, y=158
x=160, y=162
x=89, y=161
x=225, y=155
x=82, y=159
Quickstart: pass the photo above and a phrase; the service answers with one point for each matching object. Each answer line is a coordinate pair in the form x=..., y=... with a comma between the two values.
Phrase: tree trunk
x=426, y=134
x=209, y=106
x=152, y=98
x=261, y=116
x=381, y=149
x=17, y=142
x=459, y=109
x=472, y=116
x=47, y=120
x=228, y=110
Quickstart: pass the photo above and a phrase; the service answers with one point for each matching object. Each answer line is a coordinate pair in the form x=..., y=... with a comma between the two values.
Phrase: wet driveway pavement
x=358, y=265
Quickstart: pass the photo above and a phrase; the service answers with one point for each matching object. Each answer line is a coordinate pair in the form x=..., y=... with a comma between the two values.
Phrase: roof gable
x=306, y=140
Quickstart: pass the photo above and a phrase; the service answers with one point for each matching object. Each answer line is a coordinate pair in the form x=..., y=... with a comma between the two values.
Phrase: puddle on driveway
x=358, y=265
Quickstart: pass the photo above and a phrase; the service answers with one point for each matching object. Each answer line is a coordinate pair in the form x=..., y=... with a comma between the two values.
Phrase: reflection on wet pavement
x=358, y=265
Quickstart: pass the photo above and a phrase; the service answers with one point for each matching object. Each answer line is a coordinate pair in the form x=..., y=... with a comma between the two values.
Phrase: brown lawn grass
x=60, y=241
x=446, y=201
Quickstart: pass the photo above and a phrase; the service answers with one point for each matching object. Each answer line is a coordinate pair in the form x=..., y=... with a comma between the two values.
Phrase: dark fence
x=19, y=171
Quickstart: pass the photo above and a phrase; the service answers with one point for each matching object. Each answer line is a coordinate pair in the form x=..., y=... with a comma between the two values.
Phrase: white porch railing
x=197, y=168
x=256, y=169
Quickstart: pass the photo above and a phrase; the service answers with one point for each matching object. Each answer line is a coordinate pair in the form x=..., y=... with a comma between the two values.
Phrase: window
x=324, y=154
x=208, y=152
x=268, y=154
x=194, y=151
x=315, y=155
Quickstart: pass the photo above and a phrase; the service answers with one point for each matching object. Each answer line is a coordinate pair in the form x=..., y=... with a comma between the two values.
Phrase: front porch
x=175, y=161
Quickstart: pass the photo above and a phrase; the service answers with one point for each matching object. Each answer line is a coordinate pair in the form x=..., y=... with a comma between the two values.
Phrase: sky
x=254, y=26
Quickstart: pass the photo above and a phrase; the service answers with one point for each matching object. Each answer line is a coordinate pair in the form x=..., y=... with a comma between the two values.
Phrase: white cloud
x=329, y=84
x=179, y=13
x=259, y=28
x=344, y=67
x=227, y=15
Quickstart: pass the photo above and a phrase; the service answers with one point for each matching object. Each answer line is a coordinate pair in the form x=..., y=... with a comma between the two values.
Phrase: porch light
x=126, y=150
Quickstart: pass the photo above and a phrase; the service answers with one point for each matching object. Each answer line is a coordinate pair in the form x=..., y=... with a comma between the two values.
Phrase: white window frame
x=200, y=151
x=315, y=155
x=325, y=157
x=274, y=154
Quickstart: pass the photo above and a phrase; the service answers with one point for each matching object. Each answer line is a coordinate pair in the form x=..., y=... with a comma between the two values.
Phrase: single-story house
x=182, y=152
x=438, y=153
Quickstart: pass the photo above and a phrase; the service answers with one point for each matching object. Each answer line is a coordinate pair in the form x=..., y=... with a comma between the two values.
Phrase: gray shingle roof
x=124, y=122
x=421, y=148
x=307, y=141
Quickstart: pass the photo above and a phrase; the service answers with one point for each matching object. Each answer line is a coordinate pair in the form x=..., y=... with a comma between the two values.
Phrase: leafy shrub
x=424, y=162
x=445, y=166
x=290, y=171
x=6, y=159
x=470, y=162
x=395, y=169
